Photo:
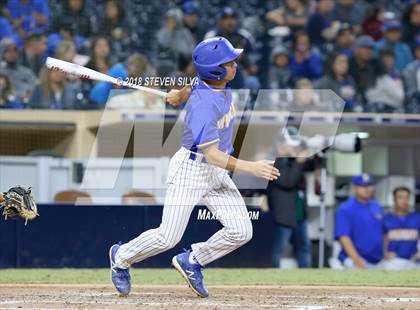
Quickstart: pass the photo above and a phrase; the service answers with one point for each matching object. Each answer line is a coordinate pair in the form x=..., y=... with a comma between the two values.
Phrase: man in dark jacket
x=22, y=79
x=286, y=199
x=363, y=67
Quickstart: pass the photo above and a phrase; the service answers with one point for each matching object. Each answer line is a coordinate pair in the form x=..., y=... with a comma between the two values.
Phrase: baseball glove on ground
x=18, y=201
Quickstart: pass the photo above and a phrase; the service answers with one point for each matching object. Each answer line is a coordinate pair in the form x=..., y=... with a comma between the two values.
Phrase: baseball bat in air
x=86, y=73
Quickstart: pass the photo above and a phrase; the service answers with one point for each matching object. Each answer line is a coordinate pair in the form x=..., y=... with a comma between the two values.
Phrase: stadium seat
x=72, y=196
x=138, y=197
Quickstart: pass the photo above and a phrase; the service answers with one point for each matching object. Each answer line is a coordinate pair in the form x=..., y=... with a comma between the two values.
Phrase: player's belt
x=197, y=157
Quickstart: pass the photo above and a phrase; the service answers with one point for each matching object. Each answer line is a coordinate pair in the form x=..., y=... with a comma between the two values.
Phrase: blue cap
x=365, y=41
x=391, y=24
x=227, y=11
x=190, y=8
x=362, y=180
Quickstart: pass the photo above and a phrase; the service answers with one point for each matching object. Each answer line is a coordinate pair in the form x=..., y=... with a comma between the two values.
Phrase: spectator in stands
x=411, y=23
x=304, y=98
x=74, y=13
x=279, y=75
x=345, y=39
x=373, y=22
x=185, y=68
x=364, y=68
x=350, y=12
x=358, y=226
x=304, y=61
x=100, y=57
x=411, y=77
x=66, y=51
x=22, y=79
x=54, y=91
x=294, y=15
x=228, y=27
x=136, y=66
x=139, y=65
x=191, y=19
x=286, y=198
x=401, y=233
x=115, y=28
x=29, y=16
x=100, y=92
x=387, y=94
x=338, y=79
x=8, y=99
x=34, y=52
x=66, y=33
x=392, y=36
x=321, y=26
x=174, y=39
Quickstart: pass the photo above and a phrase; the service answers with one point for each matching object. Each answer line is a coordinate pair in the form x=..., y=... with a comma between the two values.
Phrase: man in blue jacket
x=392, y=40
x=358, y=226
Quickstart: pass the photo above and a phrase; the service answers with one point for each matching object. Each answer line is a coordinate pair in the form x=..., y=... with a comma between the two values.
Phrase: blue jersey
x=362, y=223
x=403, y=233
x=209, y=118
x=30, y=23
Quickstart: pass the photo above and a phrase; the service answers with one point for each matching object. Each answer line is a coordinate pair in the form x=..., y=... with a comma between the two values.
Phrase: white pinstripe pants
x=189, y=183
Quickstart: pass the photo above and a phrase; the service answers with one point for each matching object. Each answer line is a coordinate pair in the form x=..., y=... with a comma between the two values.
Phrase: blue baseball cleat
x=119, y=277
x=191, y=273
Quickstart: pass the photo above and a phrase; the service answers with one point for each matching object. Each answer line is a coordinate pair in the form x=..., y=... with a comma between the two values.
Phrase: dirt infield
x=42, y=296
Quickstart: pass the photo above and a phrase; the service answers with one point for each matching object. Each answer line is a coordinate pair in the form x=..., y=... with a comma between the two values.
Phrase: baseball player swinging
x=198, y=172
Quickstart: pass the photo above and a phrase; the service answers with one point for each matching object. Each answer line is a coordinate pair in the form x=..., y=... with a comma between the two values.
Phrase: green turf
x=221, y=276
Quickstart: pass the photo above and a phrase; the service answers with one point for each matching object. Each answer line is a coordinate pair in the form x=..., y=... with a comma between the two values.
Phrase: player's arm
x=177, y=96
x=263, y=168
x=387, y=254
x=1, y=197
x=351, y=251
x=386, y=242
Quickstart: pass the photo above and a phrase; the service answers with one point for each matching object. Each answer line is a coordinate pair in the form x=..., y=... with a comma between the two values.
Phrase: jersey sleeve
x=385, y=226
x=203, y=124
x=342, y=224
x=417, y=215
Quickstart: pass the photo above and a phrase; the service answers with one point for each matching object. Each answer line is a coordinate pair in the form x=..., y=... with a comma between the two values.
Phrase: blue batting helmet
x=209, y=54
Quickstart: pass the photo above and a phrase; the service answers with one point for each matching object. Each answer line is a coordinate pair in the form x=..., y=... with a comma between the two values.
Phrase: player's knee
x=242, y=234
x=166, y=242
x=247, y=233
x=172, y=242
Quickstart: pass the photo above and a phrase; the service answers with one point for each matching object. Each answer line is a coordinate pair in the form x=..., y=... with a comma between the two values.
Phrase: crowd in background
x=368, y=52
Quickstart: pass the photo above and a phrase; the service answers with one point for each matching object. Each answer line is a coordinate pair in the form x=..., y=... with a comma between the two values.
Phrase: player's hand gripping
x=177, y=96
x=265, y=169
